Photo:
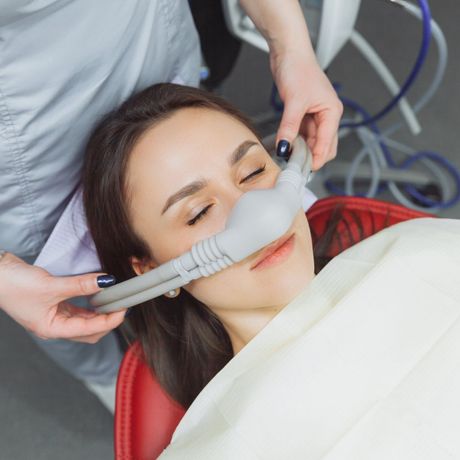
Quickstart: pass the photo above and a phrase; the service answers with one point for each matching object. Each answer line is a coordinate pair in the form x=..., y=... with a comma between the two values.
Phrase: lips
x=269, y=250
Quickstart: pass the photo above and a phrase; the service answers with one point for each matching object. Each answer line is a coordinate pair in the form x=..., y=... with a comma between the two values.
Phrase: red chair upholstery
x=145, y=416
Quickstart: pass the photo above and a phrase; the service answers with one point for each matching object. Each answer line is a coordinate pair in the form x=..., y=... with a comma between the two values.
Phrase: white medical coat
x=64, y=64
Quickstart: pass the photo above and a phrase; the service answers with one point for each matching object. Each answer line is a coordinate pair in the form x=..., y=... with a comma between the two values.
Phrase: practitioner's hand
x=311, y=105
x=36, y=300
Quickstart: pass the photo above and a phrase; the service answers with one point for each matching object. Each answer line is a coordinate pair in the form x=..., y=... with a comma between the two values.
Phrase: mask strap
x=181, y=271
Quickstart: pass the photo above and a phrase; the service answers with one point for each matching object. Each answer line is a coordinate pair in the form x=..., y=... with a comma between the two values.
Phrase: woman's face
x=191, y=153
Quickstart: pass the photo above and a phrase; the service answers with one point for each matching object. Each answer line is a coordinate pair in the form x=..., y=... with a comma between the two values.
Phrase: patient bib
x=364, y=364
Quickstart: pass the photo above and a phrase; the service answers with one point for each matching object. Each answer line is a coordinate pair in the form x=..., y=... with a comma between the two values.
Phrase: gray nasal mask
x=258, y=218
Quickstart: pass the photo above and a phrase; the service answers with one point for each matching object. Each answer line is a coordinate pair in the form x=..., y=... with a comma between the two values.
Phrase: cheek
x=218, y=289
x=167, y=245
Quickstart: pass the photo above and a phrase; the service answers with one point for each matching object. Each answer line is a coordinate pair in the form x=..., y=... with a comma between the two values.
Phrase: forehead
x=192, y=128
x=180, y=148
x=187, y=138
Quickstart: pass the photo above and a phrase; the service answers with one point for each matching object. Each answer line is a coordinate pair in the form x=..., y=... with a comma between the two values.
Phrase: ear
x=141, y=266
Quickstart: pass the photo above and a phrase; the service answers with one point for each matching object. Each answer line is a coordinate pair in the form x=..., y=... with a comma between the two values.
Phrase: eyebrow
x=196, y=186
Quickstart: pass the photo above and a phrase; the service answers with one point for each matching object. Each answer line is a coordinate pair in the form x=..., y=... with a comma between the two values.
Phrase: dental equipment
x=330, y=24
x=440, y=187
x=258, y=218
x=367, y=52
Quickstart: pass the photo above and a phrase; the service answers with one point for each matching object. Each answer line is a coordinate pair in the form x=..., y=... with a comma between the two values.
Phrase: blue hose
x=423, y=52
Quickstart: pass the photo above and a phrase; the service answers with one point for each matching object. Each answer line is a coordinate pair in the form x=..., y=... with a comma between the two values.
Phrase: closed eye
x=203, y=212
x=258, y=171
x=199, y=215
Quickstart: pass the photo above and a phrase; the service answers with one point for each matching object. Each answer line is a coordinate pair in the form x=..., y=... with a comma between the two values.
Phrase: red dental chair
x=145, y=416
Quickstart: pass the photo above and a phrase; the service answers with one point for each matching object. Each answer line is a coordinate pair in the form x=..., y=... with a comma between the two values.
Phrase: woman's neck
x=243, y=325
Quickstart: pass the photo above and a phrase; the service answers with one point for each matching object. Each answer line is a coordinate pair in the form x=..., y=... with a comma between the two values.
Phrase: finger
x=332, y=151
x=81, y=323
x=68, y=310
x=290, y=121
x=308, y=129
x=327, y=122
x=80, y=285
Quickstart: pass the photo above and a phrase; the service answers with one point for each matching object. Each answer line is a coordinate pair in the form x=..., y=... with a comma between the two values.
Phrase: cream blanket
x=363, y=364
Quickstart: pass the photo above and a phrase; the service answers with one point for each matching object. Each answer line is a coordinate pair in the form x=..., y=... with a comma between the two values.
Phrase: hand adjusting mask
x=258, y=218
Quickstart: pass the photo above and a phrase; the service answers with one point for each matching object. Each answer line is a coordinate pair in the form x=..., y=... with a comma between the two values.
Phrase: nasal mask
x=258, y=218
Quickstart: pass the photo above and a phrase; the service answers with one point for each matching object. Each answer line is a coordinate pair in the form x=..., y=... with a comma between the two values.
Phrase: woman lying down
x=360, y=361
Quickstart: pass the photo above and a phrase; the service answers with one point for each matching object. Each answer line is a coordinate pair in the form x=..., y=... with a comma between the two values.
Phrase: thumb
x=289, y=125
x=73, y=286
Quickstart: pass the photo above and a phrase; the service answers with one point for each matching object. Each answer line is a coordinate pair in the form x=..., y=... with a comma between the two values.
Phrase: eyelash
x=206, y=209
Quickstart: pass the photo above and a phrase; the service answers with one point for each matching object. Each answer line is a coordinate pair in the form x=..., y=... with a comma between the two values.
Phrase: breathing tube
x=376, y=143
x=258, y=218
x=423, y=52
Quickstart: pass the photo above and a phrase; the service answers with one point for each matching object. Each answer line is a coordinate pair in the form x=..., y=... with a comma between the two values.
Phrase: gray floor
x=46, y=414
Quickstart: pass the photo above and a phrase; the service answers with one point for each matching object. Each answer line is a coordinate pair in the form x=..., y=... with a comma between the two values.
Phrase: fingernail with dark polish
x=283, y=148
x=104, y=281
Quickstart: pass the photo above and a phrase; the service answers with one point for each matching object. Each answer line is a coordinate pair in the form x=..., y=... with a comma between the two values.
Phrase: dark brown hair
x=183, y=342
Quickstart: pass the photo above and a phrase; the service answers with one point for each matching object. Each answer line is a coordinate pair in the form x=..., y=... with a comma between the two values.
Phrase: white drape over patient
x=363, y=364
